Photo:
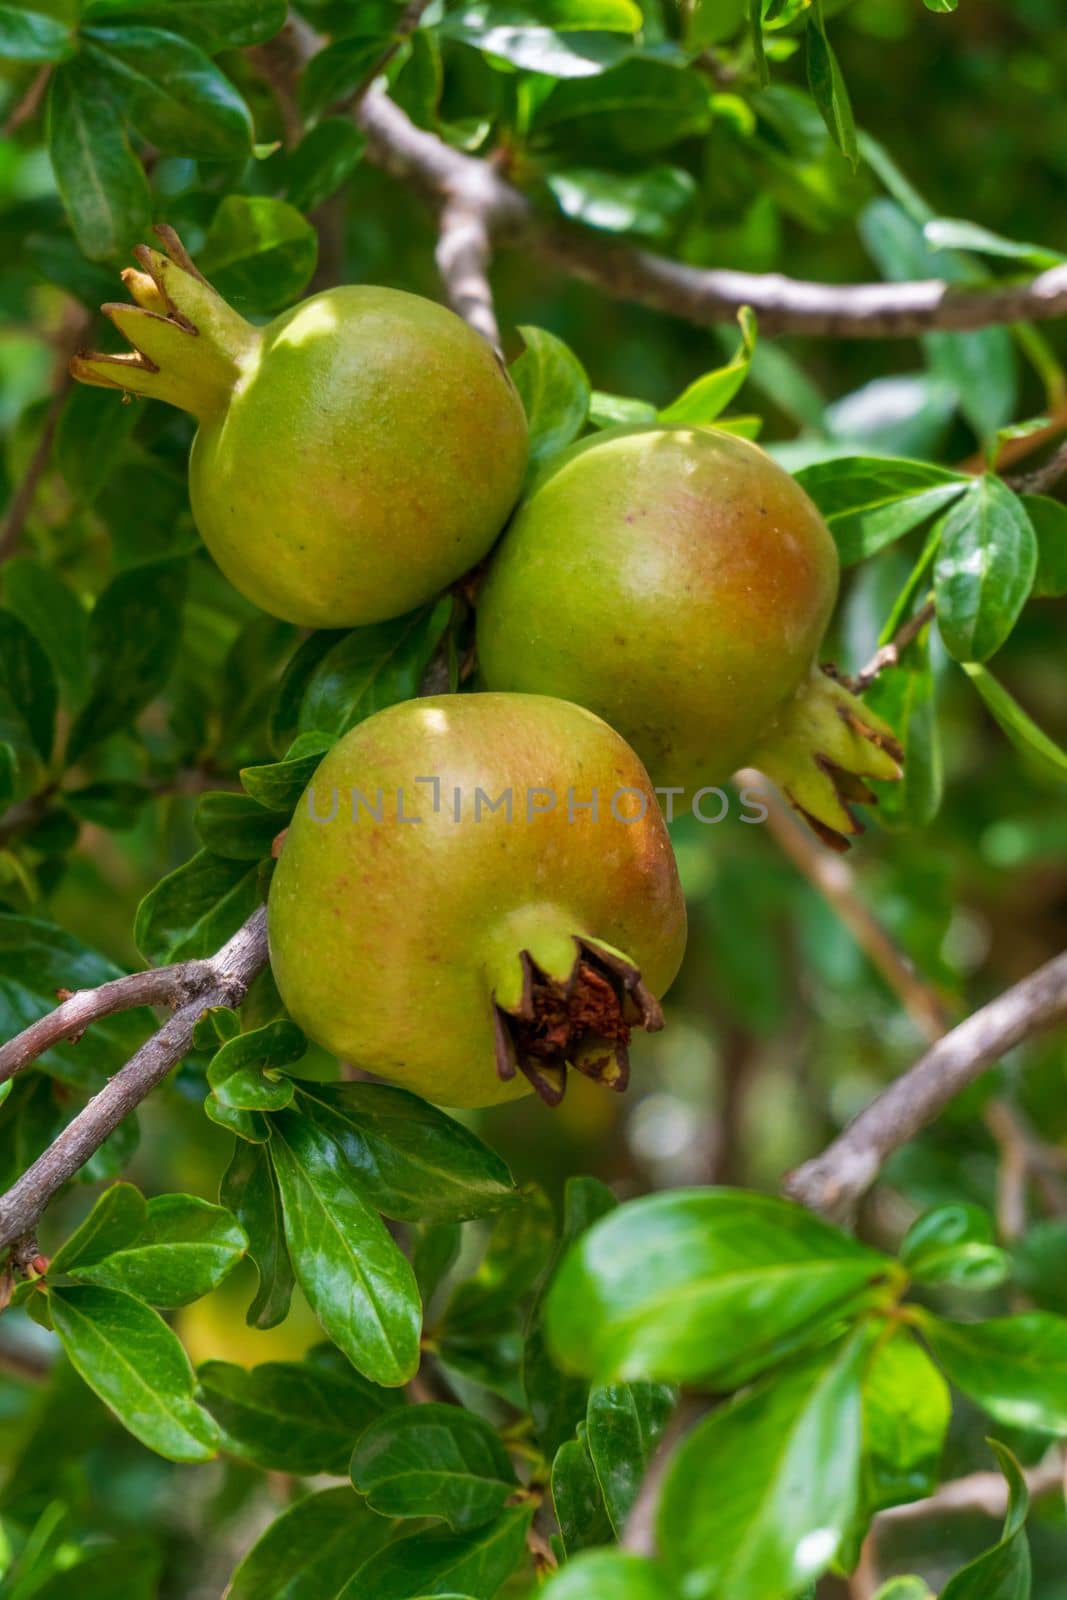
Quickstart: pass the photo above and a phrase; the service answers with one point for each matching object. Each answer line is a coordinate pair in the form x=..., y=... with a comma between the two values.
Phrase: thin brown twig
x=888, y=655
x=1044, y=477
x=833, y=1182
x=639, y=1534
x=27, y=107
x=983, y=1492
x=232, y=970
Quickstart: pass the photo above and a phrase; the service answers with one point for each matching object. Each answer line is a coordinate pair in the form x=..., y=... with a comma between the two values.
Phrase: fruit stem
x=825, y=743
x=189, y=346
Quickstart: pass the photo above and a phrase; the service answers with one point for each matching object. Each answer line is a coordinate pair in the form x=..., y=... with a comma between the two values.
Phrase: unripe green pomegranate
x=476, y=892
x=678, y=583
x=353, y=458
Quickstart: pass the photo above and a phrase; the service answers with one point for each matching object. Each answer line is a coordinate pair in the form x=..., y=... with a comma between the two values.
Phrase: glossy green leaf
x=905, y=1589
x=339, y=70
x=578, y=1499
x=869, y=502
x=520, y=1245
x=618, y=410
x=246, y=1072
x=370, y=668
x=1013, y=1367
x=100, y=180
x=554, y=391
x=984, y=570
x=130, y=1358
x=608, y=1575
x=759, y=1496
x=55, y=617
x=279, y=784
x=624, y=1422
x=134, y=631
x=412, y=1161
x=301, y=1417
x=115, y=1221
x=27, y=677
x=251, y=1126
x=173, y=93
x=475, y=1564
x=954, y=1244
x=212, y=24
x=1040, y=1264
x=1002, y=1573
x=311, y=1550
x=184, y=1250
x=538, y=39
x=906, y=1410
x=1047, y=757
x=661, y=103
x=952, y=233
x=236, y=826
x=321, y=162
x=355, y=1277
x=196, y=908
x=91, y=438
x=259, y=252
x=36, y=959
x=434, y=1461
x=906, y=698
x=703, y=400
x=1049, y=521
x=250, y=1189
x=756, y=1276
x=828, y=88
x=649, y=202
x=28, y=35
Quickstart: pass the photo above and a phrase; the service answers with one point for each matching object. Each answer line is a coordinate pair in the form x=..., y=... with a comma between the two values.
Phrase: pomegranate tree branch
x=888, y=655
x=224, y=980
x=983, y=1492
x=1044, y=477
x=463, y=254
x=698, y=294
x=837, y=1179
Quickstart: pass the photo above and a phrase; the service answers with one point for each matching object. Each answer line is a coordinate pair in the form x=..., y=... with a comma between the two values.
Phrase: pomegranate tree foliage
x=156, y=733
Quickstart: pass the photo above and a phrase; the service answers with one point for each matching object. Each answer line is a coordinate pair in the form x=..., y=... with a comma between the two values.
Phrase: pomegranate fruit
x=678, y=583
x=476, y=892
x=353, y=458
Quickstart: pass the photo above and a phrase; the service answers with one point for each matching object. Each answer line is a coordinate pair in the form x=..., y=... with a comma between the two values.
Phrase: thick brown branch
x=699, y=294
x=463, y=256
x=231, y=972
x=834, y=1181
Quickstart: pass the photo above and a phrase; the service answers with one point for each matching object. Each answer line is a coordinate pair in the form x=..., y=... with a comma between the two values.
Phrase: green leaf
x=250, y=1189
x=27, y=35
x=702, y=402
x=648, y=202
x=434, y=1461
x=519, y=1248
x=195, y=909
x=100, y=180
x=27, y=677
x=952, y=233
x=245, y=1074
x=130, y=1358
x=212, y=24
x=607, y=1575
x=173, y=93
x=90, y=440
x=321, y=162
x=185, y=1249
x=617, y=410
x=1002, y=1573
x=356, y=1279
x=1013, y=1367
x=870, y=502
x=984, y=570
x=339, y=70
x=1045, y=755
x=279, y=785
x=259, y=253
x=1049, y=521
x=828, y=88
x=661, y=104
x=554, y=391
x=134, y=631
x=475, y=1564
x=1041, y=1264
x=756, y=1276
x=905, y=1589
x=578, y=1499
x=906, y=698
x=371, y=668
x=944, y=6
x=411, y=1160
x=299, y=1417
x=906, y=1410
x=624, y=1422
x=755, y=30
x=55, y=617
x=236, y=826
x=116, y=1219
x=954, y=1244
x=759, y=1496
x=526, y=37
x=311, y=1550
x=36, y=959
